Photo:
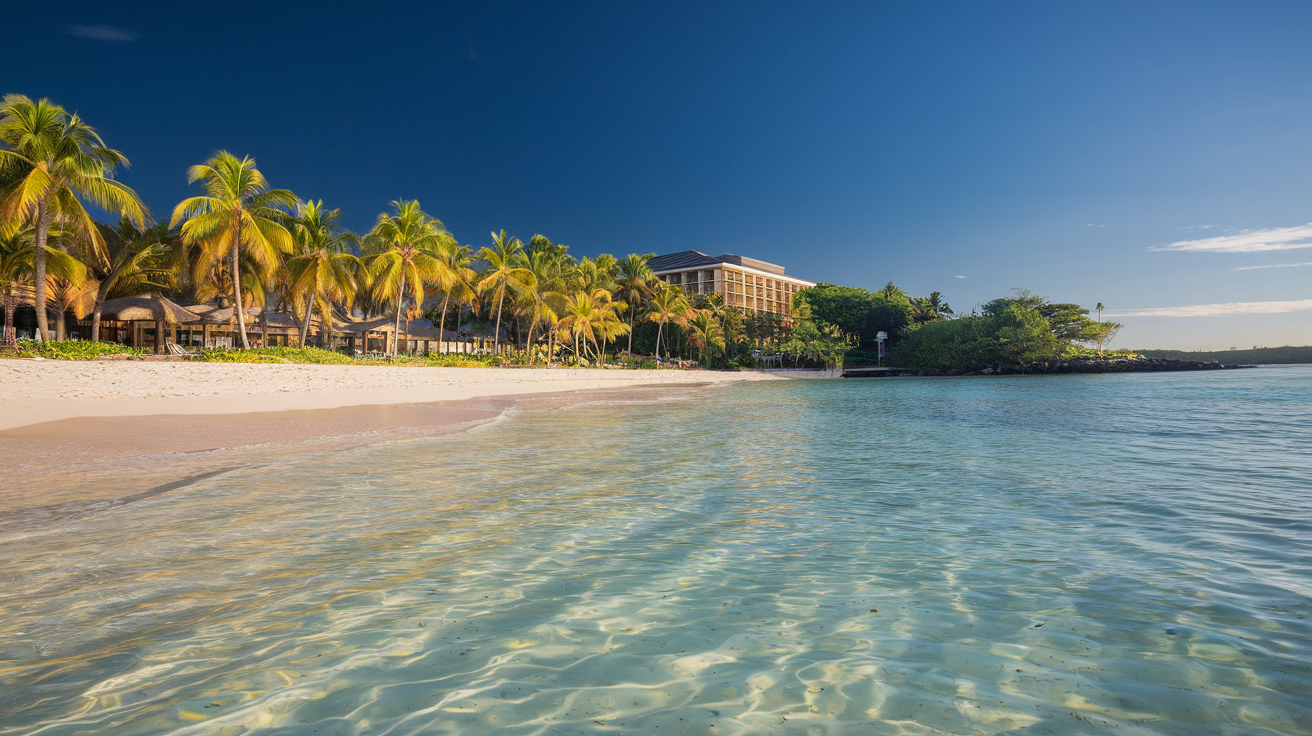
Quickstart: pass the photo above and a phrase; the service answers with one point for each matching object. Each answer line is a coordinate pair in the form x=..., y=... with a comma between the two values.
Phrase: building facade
x=746, y=283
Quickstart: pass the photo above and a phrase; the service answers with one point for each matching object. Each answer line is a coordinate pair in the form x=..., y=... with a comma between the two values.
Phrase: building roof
x=695, y=259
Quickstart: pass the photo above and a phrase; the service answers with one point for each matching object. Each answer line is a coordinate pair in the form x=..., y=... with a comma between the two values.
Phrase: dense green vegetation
x=319, y=356
x=1022, y=329
x=71, y=349
x=1269, y=356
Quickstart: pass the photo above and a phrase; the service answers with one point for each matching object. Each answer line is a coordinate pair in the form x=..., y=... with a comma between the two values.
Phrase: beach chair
x=176, y=349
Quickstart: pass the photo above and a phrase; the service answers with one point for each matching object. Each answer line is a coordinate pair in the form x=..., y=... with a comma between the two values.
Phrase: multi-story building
x=746, y=283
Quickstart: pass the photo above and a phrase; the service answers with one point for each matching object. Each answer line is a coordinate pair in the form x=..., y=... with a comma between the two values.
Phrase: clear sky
x=1154, y=156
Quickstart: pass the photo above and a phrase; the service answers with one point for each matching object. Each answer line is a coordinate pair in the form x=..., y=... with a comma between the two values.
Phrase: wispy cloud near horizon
x=1217, y=310
x=1272, y=265
x=102, y=33
x=1248, y=241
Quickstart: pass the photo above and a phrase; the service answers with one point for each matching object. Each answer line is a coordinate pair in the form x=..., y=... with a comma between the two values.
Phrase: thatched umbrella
x=149, y=307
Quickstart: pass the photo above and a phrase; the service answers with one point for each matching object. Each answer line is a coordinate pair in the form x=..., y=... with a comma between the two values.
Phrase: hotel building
x=746, y=283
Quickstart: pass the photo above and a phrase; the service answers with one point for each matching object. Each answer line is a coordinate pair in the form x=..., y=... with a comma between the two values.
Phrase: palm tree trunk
x=61, y=330
x=101, y=293
x=528, y=344
x=309, y=315
x=236, y=287
x=396, y=335
x=160, y=348
x=441, y=329
x=660, y=327
x=496, y=336
x=44, y=215
x=264, y=323
x=9, y=338
x=631, y=318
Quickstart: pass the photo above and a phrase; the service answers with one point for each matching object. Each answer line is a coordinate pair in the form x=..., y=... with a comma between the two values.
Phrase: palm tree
x=504, y=272
x=1099, y=307
x=634, y=285
x=323, y=269
x=17, y=267
x=405, y=252
x=55, y=158
x=131, y=260
x=668, y=303
x=546, y=279
x=591, y=316
x=460, y=286
x=239, y=213
x=704, y=332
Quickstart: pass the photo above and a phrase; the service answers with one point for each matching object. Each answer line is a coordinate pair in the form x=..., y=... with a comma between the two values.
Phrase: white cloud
x=1249, y=241
x=102, y=33
x=1217, y=310
x=1272, y=265
x=958, y=277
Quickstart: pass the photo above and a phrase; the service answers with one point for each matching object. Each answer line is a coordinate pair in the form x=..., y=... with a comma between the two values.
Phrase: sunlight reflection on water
x=1050, y=554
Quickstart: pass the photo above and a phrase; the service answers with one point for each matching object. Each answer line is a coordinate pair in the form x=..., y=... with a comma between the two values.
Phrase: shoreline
x=33, y=392
x=102, y=451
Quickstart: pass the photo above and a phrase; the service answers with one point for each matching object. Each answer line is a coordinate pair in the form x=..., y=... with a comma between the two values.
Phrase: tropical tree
x=53, y=160
x=668, y=303
x=322, y=269
x=238, y=215
x=546, y=278
x=591, y=316
x=705, y=333
x=929, y=308
x=460, y=285
x=634, y=284
x=17, y=268
x=1099, y=307
x=504, y=272
x=404, y=252
x=132, y=259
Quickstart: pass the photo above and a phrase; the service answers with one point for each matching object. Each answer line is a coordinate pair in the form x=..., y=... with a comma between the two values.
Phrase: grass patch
x=70, y=350
x=320, y=356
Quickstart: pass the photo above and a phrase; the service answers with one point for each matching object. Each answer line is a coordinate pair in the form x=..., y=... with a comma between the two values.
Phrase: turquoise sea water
x=1123, y=554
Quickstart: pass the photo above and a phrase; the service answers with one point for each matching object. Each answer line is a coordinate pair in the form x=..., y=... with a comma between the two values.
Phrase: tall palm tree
x=1099, y=307
x=704, y=332
x=132, y=259
x=668, y=303
x=504, y=272
x=54, y=159
x=542, y=294
x=239, y=213
x=323, y=268
x=404, y=254
x=634, y=285
x=459, y=287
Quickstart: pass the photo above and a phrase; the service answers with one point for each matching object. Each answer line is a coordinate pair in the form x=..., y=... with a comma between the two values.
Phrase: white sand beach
x=32, y=392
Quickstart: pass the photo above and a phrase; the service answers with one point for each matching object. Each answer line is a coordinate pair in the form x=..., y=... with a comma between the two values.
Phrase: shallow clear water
x=1068, y=554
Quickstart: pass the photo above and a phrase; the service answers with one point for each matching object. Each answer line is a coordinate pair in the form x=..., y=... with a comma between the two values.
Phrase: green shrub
x=72, y=349
x=459, y=360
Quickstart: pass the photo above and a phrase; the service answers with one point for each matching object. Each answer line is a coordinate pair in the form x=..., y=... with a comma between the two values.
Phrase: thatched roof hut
x=147, y=308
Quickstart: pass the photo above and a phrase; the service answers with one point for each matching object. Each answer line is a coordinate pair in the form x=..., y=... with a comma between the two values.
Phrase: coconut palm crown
x=50, y=160
x=239, y=215
x=405, y=251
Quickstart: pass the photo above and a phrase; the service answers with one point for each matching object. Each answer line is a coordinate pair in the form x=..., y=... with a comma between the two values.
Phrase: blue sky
x=969, y=148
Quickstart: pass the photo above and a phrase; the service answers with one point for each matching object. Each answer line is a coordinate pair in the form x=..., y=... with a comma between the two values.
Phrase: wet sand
x=68, y=465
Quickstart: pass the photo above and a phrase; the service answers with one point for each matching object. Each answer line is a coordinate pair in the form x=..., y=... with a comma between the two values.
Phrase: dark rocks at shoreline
x=1113, y=364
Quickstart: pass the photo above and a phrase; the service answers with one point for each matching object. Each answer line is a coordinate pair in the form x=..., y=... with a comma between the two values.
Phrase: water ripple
x=924, y=556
